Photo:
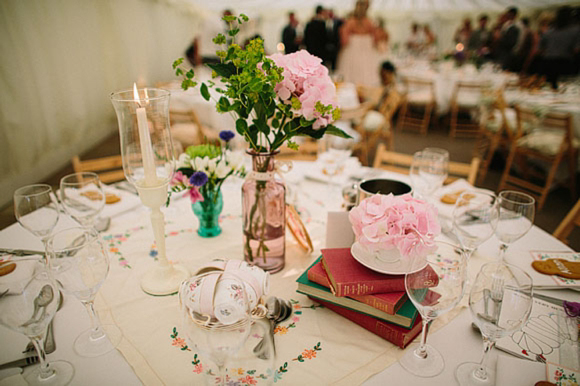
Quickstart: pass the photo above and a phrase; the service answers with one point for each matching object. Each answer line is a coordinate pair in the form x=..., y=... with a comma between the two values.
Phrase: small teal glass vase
x=208, y=212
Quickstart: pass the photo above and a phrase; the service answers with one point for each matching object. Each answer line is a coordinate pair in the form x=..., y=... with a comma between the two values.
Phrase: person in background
x=533, y=63
x=416, y=41
x=290, y=37
x=463, y=33
x=521, y=57
x=429, y=48
x=315, y=36
x=480, y=37
x=559, y=45
x=358, y=59
x=381, y=36
x=509, y=38
x=333, y=24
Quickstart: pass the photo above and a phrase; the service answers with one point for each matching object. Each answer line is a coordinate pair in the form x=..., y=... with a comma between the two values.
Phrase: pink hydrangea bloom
x=383, y=222
x=306, y=79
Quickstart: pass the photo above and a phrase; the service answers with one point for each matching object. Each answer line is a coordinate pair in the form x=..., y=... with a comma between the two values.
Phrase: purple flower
x=198, y=179
x=226, y=135
x=572, y=309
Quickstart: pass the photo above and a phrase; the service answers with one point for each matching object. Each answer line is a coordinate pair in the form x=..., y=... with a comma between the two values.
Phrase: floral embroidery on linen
x=243, y=377
x=563, y=379
x=114, y=241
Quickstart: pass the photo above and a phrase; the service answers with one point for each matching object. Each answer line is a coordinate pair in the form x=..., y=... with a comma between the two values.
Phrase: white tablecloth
x=131, y=231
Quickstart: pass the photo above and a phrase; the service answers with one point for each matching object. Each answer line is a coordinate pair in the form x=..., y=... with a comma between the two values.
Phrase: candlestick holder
x=148, y=163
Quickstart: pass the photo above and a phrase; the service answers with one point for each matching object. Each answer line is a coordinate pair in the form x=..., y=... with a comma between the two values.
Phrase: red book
x=350, y=278
x=395, y=334
x=389, y=302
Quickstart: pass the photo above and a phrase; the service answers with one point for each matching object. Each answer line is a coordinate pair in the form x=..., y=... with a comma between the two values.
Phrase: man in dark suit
x=333, y=25
x=509, y=38
x=315, y=36
x=289, y=35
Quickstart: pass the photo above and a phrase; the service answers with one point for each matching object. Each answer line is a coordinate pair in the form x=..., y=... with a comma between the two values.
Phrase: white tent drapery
x=61, y=59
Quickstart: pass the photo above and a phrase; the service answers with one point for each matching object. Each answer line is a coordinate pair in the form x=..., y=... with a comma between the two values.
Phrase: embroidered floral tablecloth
x=315, y=346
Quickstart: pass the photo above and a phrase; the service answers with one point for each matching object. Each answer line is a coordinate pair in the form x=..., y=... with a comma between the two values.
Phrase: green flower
x=207, y=150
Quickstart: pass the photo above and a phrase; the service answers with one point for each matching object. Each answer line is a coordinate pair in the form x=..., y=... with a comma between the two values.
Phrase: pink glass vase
x=263, y=213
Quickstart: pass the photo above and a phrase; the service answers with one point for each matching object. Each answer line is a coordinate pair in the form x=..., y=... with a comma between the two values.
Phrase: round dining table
x=314, y=346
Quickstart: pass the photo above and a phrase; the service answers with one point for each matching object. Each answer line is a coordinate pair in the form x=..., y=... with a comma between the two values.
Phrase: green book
x=404, y=317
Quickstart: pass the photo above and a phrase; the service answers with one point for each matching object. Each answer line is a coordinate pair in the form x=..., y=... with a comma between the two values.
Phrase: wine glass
x=475, y=218
x=36, y=209
x=516, y=217
x=216, y=318
x=81, y=264
x=429, y=169
x=434, y=290
x=500, y=302
x=28, y=302
x=82, y=196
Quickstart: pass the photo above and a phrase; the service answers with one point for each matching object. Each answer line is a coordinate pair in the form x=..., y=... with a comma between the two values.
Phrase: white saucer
x=369, y=260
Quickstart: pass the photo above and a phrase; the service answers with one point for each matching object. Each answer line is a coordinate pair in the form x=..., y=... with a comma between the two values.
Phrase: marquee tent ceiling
x=376, y=5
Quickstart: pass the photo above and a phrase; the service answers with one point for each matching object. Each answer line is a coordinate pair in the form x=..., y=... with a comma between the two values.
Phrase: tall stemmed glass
x=148, y=163
x=28, y=302
x=500, y=302
x=82, y=197
x=36, y=210
x=434, y=290
x=475, y=217
x=80, y=263
x=216, y=318
x=429, y=169
x=516, y=217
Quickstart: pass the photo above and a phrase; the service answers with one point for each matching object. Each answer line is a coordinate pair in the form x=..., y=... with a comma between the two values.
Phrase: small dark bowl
x=382, y=186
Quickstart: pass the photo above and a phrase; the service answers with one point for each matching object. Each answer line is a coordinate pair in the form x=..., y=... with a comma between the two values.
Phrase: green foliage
x=250, y=78
x=206, y=150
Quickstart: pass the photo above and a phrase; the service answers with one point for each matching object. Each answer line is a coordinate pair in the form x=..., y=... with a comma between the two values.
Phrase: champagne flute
x=429, y=169
x=82, y=196
x=434, y=290
x=216, y=318
x=516, y=217
x=36, y=210
x=81, y=264
x=500, y=302
x=475, y=218
x=28, y=302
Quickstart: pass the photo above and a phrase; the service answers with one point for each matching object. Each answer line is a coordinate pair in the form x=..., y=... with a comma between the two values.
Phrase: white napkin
x=515, y=371
x=351, y=167
x=128, y=202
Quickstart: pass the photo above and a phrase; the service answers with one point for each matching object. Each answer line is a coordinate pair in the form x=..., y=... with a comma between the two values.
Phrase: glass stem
x=421, y=351
x=45, y=370
x=96, y=330
x=502, y=251
x=481, y=372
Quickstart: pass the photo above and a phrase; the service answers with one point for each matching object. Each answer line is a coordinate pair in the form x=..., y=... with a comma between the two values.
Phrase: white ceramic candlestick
x=165, y=278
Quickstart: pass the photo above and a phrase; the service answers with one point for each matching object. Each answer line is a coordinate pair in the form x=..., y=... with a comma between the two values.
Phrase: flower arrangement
x=384, y=222
x=275, y=98
x=202, y=169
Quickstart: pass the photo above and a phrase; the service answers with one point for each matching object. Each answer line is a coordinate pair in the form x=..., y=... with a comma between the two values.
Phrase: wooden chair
x=419, y=93
x=377, y=125
x=497, y=128
x=109, y=169
x=465, y=101
x=401, y=163
x=567, y=225
x=550, y=142
x=307, y=151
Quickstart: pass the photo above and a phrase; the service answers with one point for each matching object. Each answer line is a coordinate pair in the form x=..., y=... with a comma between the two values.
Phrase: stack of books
x=373, y=300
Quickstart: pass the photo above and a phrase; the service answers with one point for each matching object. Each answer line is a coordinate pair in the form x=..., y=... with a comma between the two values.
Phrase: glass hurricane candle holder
x=148, y=162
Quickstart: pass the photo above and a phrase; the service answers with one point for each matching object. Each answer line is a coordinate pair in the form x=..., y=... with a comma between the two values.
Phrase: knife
x=26, y=361
x=20, y=252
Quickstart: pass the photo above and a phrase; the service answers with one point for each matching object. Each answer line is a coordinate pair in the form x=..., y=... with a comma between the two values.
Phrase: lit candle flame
x=459, y=47
x=136, y=94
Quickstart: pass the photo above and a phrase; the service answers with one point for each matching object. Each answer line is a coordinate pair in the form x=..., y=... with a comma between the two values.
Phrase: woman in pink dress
x=358, y=60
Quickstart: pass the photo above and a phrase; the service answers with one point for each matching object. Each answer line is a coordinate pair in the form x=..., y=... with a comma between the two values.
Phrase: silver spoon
x=43, y=299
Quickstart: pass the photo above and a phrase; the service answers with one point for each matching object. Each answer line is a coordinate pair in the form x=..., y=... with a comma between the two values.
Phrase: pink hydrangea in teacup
x=392, y=227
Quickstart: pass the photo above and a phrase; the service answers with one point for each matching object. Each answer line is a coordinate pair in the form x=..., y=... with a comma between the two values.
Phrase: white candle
x=145, y=142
